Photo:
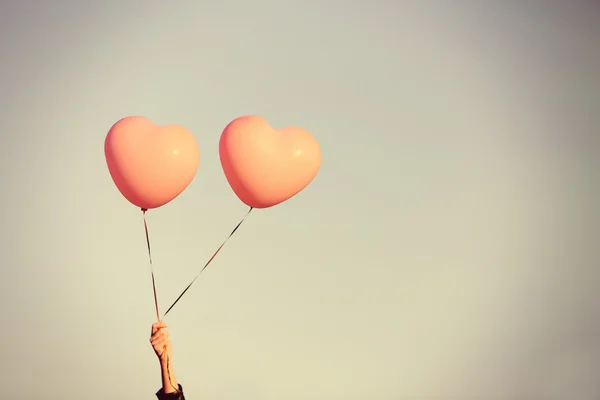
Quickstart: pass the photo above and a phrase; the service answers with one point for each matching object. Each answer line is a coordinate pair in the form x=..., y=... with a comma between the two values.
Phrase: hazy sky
x=448, y=248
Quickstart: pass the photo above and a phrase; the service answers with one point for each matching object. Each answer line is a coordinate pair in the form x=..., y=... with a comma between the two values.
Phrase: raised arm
x=171, y=390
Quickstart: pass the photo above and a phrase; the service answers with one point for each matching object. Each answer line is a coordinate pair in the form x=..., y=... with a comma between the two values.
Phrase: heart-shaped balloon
x=266, y=166
x=150, y=164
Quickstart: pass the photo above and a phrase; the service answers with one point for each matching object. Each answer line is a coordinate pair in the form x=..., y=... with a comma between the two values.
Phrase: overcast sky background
x=448, y=248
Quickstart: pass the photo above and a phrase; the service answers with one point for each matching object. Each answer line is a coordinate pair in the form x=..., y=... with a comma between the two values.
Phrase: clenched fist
x=160, y=341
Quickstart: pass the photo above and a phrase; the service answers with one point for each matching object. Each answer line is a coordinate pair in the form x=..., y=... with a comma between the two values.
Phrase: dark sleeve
x=170, y=396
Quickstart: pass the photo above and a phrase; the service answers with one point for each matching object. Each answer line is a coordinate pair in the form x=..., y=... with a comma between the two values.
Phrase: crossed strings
x=193, y=280
x=196, y=277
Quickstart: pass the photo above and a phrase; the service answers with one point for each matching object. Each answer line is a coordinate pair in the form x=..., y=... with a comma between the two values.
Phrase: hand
x=160, y=341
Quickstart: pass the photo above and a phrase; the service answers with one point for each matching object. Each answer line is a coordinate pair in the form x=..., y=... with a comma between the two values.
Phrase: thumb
x=157, y=326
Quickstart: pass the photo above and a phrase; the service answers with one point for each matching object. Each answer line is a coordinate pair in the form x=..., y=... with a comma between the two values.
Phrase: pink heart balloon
x=265, y=166
x=150, y=165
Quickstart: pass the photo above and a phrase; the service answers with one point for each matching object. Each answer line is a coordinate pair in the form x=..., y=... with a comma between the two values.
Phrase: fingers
x=159, y=339
x=162, y=333
x=160, y=345
x=156, y=326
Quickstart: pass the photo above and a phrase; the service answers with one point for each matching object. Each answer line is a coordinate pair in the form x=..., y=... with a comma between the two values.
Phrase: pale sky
x=448, y=248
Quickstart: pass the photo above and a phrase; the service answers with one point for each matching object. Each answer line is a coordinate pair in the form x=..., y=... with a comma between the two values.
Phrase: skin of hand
x=162, y=348
x=160, y=341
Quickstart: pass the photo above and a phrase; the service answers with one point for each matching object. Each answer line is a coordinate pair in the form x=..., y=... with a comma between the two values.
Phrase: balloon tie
x=209, y=261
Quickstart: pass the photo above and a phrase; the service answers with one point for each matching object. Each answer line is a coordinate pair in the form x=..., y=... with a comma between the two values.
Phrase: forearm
x=169, y=382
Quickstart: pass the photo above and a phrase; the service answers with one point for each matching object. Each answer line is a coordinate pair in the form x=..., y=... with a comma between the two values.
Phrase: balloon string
x=154, y=291
x=169, y=373
x=151, y=267
x=209, y=261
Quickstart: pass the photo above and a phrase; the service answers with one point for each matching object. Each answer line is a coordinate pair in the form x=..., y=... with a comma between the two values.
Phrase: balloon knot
x=144, y=210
